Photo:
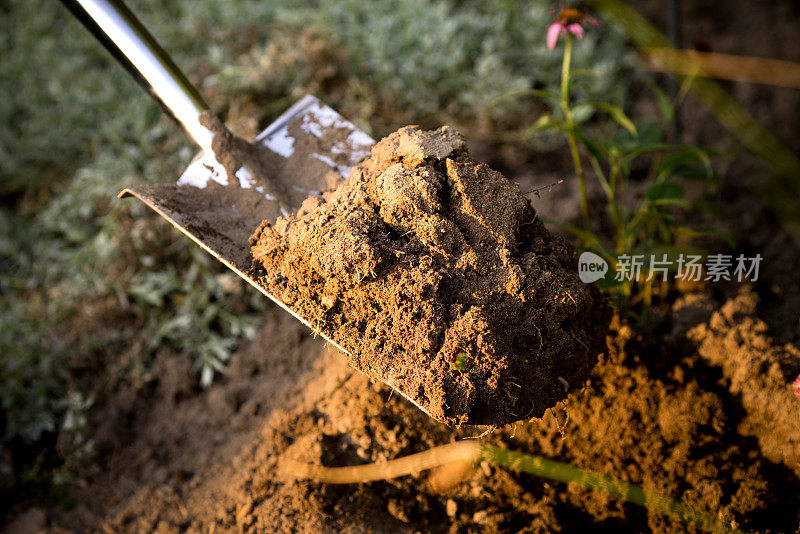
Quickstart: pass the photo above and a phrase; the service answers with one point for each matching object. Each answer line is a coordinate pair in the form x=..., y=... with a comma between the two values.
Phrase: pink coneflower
x=569, y=20
x=796, y=386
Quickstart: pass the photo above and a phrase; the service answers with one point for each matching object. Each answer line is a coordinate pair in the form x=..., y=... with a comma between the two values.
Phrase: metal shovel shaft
x=118, y=29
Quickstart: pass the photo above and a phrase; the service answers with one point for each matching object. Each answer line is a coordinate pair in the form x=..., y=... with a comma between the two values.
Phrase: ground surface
x=696, y=404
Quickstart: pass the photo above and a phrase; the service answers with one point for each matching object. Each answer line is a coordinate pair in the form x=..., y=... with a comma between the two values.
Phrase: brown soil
x=696, y=406
x=435, y=275
x=669, y=416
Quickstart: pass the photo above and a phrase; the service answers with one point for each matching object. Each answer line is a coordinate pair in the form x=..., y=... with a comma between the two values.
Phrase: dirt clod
x=433, y=272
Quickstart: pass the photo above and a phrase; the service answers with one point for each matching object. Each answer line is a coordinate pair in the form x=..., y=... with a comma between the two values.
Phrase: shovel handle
x=118, y=29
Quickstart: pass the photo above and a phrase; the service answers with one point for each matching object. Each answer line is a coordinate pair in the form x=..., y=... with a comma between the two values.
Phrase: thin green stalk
x=614, y=175
x=571, y=138
x=544, y=467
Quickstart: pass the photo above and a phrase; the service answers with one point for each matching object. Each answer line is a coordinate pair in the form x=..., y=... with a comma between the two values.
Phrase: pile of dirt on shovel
x=433, y=272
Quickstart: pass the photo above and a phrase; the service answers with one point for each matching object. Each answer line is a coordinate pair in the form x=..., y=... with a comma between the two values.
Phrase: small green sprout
x=460, y=361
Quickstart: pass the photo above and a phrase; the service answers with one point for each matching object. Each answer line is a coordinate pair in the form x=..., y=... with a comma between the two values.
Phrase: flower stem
x=571, y=137
x=565, y=70
x=615, y=179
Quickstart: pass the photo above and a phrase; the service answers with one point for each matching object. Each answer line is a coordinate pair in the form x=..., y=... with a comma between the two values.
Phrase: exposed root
x=458, y=452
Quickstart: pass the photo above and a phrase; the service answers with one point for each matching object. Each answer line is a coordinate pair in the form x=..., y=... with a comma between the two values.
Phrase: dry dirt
x=435, y=275
x=696, y=404
x=675, y=416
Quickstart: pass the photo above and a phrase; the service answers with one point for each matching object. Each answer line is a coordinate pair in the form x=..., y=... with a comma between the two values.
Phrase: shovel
x=199, y=204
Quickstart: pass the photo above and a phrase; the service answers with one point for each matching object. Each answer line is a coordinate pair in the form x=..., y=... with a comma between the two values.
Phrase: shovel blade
x=312, y=148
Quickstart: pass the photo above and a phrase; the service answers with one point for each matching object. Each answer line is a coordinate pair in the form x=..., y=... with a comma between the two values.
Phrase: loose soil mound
x=666, y=415
x=434, y=274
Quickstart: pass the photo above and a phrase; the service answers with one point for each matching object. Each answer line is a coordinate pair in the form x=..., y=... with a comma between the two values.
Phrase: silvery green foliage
x=63, y=95
x=60, y=94
x=429, y=57
x=31, y=382
x=424, y=57
x=459, y=56
x=84, y=246
x=74, y=121
x=70, y=254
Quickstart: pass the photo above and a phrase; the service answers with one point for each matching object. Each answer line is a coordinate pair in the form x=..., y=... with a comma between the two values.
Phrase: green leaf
x=681, y=163
x=595, y=149
x=543, y=123
x=460, y=363
x=663, y=191
x=582, y=113
x=650, y=132
x=683, y=203
x=601, y=177
x=664, y=102
x=616, y=113
x=701, y=231
x=538, y=93
x=633, y=152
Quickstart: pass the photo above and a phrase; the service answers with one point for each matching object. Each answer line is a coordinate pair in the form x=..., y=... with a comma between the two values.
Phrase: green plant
x=461, y=360
x=650, y=226
x=76, y=129
x=187, y=311
x=32, y=386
